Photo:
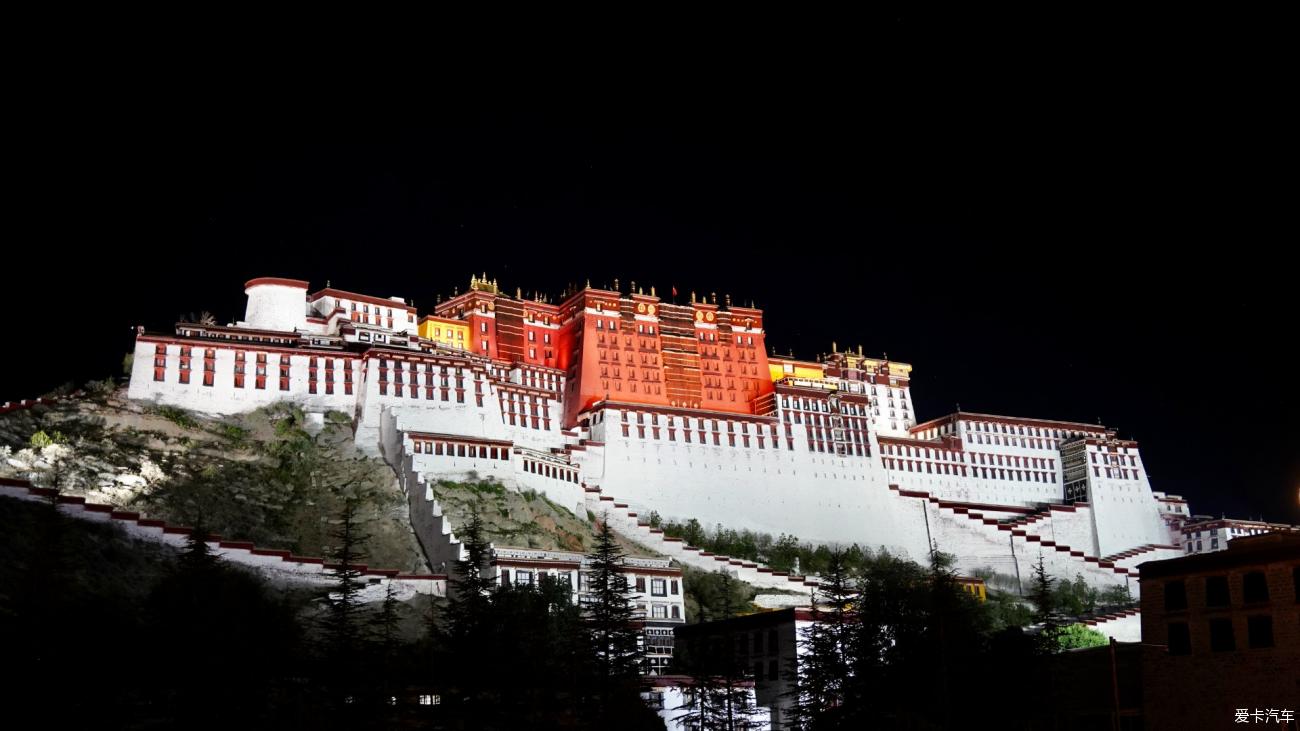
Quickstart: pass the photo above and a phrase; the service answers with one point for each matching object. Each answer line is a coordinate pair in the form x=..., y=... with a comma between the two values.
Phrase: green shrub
x=179, y=417
x=1076, y=636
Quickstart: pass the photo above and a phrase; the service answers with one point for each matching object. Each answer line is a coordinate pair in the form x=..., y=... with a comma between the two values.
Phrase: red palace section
x=625, y=348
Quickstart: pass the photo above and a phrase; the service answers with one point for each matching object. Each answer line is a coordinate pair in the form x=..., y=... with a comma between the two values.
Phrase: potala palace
x=623, y=403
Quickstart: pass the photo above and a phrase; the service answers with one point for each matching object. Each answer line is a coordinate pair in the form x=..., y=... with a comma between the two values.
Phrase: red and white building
x=677, y=408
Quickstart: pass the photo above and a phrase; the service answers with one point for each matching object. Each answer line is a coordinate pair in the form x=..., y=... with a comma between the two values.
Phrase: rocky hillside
x=522, y=519
x=276, y=477
x=271, y=476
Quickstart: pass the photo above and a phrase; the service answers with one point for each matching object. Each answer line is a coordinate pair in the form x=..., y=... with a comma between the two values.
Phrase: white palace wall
x=819, y=497
x=223, y=397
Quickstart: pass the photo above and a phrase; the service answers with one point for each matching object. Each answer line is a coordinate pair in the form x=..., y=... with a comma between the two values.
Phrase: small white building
x=655, y=588
x=1207, y=535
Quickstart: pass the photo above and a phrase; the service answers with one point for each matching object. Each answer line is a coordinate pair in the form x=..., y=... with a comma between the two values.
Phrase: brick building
x=1221, y=634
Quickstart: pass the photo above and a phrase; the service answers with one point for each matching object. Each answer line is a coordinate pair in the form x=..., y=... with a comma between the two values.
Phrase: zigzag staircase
x=1019, y=528
x=628, y=524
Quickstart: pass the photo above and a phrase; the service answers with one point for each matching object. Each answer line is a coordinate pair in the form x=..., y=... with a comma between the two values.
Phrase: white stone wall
x=1125, y=514
x=222, y=397
x=819, y=497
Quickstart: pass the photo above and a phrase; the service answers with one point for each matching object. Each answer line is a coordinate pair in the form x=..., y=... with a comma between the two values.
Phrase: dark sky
x=1081, y=238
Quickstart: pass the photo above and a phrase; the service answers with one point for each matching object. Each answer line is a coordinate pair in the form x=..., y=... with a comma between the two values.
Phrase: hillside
x=522, y=519
x=268, y=476
x=275, y=476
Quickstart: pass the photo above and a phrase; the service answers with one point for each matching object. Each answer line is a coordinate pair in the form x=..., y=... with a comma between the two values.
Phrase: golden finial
x=713, y=296
x=859, y=350
x=588, y=282
x=519, y=293
x=652, y=291
x=616, y=289
x=633, y=289
x=692, y=296
x=727, y=297
x=834, y=348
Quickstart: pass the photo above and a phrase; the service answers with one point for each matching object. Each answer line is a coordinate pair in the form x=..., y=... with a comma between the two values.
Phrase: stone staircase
x=1124, y=625
x=1149, y=552
x=627, y=523
x=1019, y=529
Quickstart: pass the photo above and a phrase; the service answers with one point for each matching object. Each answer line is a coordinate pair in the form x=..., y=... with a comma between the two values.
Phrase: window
x=658, y=611
x=1216, y=591
x=673, y=583
x=1260, y=629
x=1175, y=596
x=772, y=670
x=1254, y=587
x=160, y=362
x=1179, y=639
x=640, y=584
x=658, y=587
x=771, y=642
x=1221, y=639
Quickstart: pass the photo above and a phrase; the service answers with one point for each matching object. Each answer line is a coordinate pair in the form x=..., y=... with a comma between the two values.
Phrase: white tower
x=276, y=304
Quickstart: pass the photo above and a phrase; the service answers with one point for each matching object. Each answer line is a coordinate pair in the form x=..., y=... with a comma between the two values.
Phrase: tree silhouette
x=828, y=643
x=720, y=694
x=612, y=621
x=344, y=628
x=1047, y=614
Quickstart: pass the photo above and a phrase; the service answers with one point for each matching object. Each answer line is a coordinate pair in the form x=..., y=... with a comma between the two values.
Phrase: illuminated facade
x=610, y=400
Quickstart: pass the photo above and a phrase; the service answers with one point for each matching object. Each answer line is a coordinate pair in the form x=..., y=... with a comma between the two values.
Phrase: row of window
x=259, y=375
x=988, y=473
x=1031, y=431
x=554, y=472
x=686, y=437
x=1254, y=590
x=701, y=423
x=1259, y=634
x=456, y=449
x=658, y=587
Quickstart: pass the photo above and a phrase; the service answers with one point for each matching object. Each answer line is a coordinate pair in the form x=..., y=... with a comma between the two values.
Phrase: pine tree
x=1047, y=614
x=466, y=636
x=197, y=558
x=344, y=631
x=720, y=697
x=612, y=620
x=385, y=629
x=469, y=586
x=828, y=644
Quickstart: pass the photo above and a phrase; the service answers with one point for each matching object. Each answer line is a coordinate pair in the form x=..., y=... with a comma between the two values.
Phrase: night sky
x=1099, y=242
